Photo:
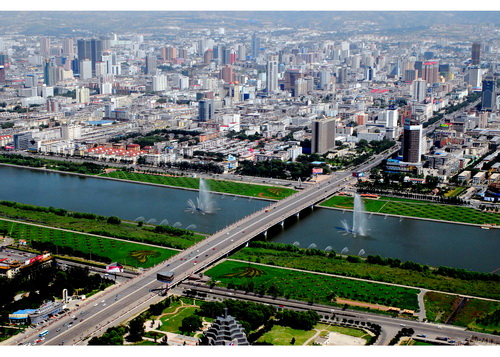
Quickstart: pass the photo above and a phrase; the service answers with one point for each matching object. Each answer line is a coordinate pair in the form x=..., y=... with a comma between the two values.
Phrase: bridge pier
x=297, y=215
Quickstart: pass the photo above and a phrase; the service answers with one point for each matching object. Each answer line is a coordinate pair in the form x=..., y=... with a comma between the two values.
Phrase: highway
x=123, y=301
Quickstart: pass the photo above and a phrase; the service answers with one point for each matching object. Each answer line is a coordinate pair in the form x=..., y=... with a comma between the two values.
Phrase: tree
x=114, y=220
x=136, y=329
x=191, y=324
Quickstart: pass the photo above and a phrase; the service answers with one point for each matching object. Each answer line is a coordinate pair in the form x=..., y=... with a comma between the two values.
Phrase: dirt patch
x=338, y=339
x=362, y=304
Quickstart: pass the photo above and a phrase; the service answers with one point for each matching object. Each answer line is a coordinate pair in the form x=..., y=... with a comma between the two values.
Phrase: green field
x=282, y=335
x=172, y=321
x=307, y=286
x=127, y=253
x=222, y=186
x=439, y=308
x=418, y=209
x=58, y=218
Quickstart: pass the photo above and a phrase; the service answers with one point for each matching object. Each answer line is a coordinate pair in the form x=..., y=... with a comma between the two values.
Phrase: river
x=424, y=242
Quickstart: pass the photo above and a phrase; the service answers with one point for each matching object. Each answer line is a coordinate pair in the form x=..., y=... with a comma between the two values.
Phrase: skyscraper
x=150, y=64
x=206, y=110
x=419, y=90
x=2, y=74
x=489, y=97
x=476, y=53
x=227, y=74
x=412, y=141
x=323, y=135
x=430, y=72
x=90, y=49
x=50, y=73
x=272, y=76
x=255, y=46
x=45, y=46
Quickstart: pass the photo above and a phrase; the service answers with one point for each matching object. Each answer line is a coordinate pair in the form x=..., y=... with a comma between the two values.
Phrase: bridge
x=120, y=303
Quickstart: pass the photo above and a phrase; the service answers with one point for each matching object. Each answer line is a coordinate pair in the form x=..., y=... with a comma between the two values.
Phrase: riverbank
x=487, y=220
x=262, y=195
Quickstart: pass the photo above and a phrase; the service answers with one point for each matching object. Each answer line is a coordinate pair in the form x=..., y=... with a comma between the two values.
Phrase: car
x=422, y=335
x=103, y=300
x=103, y=304
x=96, y=304
x=59, y=329
x=206, y=255
x=213, y=248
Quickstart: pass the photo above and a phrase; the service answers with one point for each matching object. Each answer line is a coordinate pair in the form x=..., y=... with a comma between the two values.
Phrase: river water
x=420, y=241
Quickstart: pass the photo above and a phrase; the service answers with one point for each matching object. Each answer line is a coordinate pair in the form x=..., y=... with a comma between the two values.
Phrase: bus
x=44, y=333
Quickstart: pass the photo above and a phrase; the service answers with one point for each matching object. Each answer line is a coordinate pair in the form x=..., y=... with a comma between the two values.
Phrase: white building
x=272, y=76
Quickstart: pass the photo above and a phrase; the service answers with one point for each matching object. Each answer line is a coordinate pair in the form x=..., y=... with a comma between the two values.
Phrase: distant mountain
x=80, y=23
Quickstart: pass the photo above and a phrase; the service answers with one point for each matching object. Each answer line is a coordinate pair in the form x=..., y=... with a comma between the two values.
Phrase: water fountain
x=344, y=251
x=312, y=246
x=328, y=249
x=296, y=244
x=141, y=218
x=358, y=219
x=177, y=224
x=191, y=227
x=164, y=222
x=361, y=252
x=152, y=220
x=204, y=203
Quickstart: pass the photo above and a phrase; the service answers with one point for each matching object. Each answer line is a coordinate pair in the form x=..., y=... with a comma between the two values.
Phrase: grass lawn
x=307, y=286
x=222, y=186
x=374, y=272
x=123, y=230
x=282, y=336
x=127, y=253
x=439, y=308
x=171, y=323
x=418, y=209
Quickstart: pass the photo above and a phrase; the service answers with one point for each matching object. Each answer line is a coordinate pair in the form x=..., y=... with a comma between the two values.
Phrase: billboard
x=114, y=268
x=317, y=171
x=165, y=277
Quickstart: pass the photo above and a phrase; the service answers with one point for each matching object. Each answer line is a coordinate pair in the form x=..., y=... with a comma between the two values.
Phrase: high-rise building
x=255, y=46
x=412, y=141
x=489, y=97
x=85, y=68
x=227, y=74
x=30, y=81
x=68, y=49
x=45, y=46
x=430, y=72
x=91, y=50
x=206, y=110
x=208, y=56
x=272, y=76
x=475, y=77
x=150, y=64
x=419, y=90
x=82, y=95
x=2, y=74
x=476, y=53
x=50, y=73
x=323, y=135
